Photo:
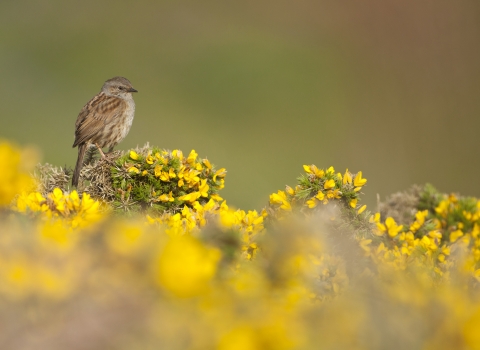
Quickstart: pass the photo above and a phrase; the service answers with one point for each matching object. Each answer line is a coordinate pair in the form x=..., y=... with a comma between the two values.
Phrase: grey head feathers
x=119, y=87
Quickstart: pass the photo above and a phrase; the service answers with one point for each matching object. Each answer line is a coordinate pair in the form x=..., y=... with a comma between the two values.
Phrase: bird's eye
x=121, y=88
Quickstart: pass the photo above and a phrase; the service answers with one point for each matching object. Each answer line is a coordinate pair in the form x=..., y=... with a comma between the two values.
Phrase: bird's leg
x=104, y=157
x=100, y=150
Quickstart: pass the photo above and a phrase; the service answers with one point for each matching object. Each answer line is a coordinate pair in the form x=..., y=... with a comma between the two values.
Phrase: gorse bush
x=149, y=250
x=158, y=181
x=145, y=179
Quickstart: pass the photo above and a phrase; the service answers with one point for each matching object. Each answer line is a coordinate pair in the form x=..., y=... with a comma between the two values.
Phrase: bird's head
x=118, y=87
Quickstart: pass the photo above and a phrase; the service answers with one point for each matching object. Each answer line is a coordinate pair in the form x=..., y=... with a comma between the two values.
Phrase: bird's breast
x=128, y=117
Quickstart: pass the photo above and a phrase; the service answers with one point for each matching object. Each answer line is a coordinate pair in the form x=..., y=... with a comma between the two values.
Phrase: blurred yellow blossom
x=391, y=227
x=14, y=176
x=185, y=266
x=353, y=203
x=362, y=209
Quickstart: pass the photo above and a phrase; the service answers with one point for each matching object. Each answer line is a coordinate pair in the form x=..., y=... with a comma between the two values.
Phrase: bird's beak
x=132, y=90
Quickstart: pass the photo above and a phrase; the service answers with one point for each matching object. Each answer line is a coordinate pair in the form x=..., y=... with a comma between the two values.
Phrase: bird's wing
x=93, y=117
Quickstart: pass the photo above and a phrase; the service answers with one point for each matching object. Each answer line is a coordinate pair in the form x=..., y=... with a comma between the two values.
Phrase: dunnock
x=105, y=120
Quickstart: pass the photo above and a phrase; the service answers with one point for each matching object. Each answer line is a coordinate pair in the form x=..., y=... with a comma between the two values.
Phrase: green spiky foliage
x=156, y=181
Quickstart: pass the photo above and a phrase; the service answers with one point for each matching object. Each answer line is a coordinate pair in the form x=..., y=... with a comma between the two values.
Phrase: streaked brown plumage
x=105, y=120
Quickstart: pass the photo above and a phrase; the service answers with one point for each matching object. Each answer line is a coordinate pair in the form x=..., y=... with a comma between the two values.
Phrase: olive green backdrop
x=259, y=87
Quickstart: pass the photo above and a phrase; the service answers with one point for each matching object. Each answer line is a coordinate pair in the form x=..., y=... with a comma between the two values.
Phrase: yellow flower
x=163, y=160
x=192, y=157
x=219, y=173
x=353, y=203
x=166, y=198
x=207, y=164
x=455, y=235
x=133, y=155
x=375, y=218
x=134, y=170
x=216, y=197
x=362, y=209
x=171, y=173
x=191, y=177
x=475, y=230
x=347, y=178
x=319, y=173
x=311, y=203
x=280, y=198
x=331, y=170
x=419, y=220
x=177, y=154
x=329, y=184
x=203, y=188
x=164, y=176
x=381, y=228
x=312, y=169
x=320, y=196
x=428, y=243
x=290, y=190
x=144, y=173
x=149, y=159
x=392, y=227
x=191, y=197
x=334, y=194
x=359, y=181
x=446, y=250
x=158, y=170
x=442, y=208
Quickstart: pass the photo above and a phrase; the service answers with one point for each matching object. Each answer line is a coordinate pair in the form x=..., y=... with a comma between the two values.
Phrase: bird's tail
x=81, y=153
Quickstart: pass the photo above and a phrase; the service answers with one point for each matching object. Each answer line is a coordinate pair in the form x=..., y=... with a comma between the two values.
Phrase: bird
x=105, y=120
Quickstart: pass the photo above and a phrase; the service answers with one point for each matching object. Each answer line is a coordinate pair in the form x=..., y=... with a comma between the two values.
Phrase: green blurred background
x=259, y=87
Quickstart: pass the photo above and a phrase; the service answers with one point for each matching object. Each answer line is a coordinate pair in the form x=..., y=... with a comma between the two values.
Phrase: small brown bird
x=105, y=120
